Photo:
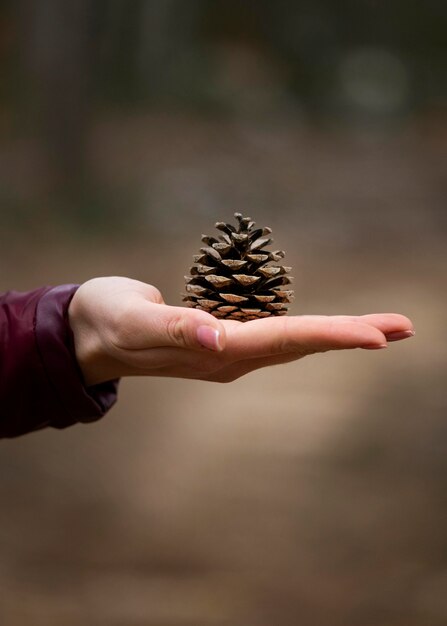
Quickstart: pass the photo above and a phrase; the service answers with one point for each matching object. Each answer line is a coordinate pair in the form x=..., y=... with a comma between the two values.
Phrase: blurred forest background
x=306, y=494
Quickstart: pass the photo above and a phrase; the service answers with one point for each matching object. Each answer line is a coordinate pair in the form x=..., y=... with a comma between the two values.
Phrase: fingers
x=394, y=326
x=282, y=335
x=388, y=323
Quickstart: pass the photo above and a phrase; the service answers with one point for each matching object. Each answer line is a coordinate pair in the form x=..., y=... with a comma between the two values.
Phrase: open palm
x=122, y=327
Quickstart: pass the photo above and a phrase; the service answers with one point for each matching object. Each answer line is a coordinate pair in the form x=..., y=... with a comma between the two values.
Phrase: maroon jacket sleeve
x=40, y=380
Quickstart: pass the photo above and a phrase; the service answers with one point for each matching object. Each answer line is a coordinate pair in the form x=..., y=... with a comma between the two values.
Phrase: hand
x=122, y=327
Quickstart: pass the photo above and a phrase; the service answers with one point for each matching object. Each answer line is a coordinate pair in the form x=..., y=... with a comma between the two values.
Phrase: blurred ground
x=312, y=493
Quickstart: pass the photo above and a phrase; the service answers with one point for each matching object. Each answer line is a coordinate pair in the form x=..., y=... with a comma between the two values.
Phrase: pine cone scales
x=234, y=277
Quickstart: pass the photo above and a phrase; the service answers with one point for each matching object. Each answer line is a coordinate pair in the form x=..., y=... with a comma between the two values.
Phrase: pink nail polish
x=209, y=337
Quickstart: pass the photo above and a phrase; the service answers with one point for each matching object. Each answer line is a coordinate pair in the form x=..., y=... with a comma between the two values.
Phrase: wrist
x=95, y=365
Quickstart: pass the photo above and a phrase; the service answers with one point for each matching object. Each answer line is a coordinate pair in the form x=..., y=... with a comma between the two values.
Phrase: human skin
x=122, y=327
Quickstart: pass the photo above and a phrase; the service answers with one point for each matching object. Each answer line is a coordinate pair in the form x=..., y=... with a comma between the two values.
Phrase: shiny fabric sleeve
x=40, y=381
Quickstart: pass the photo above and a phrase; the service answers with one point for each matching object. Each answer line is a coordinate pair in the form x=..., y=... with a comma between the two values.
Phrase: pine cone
x=234, y=278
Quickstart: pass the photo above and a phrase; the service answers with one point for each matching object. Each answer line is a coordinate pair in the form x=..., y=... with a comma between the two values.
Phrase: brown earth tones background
x=308, y=493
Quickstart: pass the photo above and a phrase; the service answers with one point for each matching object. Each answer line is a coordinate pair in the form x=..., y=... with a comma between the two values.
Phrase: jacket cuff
x=55, y=345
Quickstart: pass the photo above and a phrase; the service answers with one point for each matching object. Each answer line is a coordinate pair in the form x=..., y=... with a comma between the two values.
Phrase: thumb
x=179, y=327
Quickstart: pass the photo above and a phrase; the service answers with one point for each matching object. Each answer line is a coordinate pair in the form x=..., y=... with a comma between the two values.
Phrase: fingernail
x=375, y=346
x=401, y=334
x=209, y=338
